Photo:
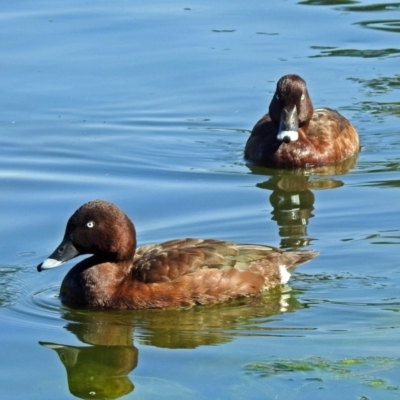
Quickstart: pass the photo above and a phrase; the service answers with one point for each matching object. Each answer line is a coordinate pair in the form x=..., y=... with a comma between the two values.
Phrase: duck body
x=295, y=135
x=177, y=273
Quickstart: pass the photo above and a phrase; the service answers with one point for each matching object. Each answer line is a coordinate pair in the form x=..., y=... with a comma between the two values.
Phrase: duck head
x=100, y=228
x=290, y=107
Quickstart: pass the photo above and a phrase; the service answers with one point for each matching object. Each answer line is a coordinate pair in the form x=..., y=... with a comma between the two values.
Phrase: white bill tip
x=286, y=136
x=50, y=263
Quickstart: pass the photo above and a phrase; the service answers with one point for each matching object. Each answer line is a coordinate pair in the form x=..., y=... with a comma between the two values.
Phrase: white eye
x=302, y=97
x=277, y=96
x=90, y=224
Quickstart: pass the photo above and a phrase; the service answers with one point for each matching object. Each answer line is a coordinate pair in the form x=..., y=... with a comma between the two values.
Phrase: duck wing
x=167, y=261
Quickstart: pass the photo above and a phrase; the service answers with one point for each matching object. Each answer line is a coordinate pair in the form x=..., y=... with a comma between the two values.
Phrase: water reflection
x=293, y=203
x=379, y=85
x=349, y=7
x=389, y=25
x=327, y=2
x=98, y=371
x=216, y=325
x=329, y=51
x=101, y=368
x=386, y=25
x=292, y=198
x=377, y=7
x=381, y=109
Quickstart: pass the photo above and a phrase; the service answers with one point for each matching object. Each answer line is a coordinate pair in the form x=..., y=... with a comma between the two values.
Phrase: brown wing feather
x=167, y=261
x=175, y=275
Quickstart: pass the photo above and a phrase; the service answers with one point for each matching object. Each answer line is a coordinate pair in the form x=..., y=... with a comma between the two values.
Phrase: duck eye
x=90, y=224
x=277, y=96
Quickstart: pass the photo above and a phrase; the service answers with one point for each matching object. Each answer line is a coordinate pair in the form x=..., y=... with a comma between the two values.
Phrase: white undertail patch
x=285, y=275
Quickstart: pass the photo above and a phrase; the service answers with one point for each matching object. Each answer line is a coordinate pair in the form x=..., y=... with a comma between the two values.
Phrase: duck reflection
x=101, y=368
x=98, y=371
x=292, y=198
x=214, y=325
x=293, y=203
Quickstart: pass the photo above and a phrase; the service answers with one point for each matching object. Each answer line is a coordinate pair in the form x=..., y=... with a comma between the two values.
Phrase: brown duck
x=295, y=135
x=177, y=273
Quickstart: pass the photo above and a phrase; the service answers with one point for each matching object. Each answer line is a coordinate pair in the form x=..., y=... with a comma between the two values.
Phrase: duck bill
x=288, y=125
x=64, y=252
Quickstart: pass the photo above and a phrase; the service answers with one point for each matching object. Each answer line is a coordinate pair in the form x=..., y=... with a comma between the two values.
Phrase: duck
x=294, y=135
x=173, y=274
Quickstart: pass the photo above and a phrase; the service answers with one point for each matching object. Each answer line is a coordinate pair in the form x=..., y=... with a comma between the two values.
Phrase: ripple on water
x=391, y=25
x=39, y=309
x=9, y=292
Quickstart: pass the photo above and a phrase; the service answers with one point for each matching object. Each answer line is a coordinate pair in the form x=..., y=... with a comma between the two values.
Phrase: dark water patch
x=223, y=30
x=379, y=85
x=395, y=183
x=390, y=25
x=381, y=108
x=367, y=53
x=380, y=167
x=376, y=7
x=327, y=2
x=385, y=237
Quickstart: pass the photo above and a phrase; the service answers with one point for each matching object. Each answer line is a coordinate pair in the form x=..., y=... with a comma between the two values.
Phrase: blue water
x=149, y=106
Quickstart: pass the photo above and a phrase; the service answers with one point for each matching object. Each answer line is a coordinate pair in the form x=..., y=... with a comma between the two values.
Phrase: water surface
x=149, y=106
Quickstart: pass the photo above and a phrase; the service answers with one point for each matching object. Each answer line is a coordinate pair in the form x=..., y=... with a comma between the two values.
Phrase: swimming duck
x=294, y=135
x=177, y=273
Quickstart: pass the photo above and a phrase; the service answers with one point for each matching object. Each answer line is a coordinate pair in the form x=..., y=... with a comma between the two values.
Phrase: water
x=149, y=106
